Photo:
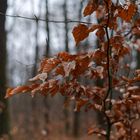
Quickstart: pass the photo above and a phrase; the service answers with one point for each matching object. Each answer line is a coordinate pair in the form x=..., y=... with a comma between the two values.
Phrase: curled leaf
x=20, y=89
x=12, y=91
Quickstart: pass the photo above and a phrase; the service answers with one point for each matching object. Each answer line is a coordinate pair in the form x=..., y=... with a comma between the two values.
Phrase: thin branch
x=108, y=58
x=35, y=18
x=109, y=92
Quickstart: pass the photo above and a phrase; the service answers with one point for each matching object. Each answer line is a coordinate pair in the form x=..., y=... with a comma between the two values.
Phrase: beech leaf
x=80, y=32
x=91, y=7
x=127, y=12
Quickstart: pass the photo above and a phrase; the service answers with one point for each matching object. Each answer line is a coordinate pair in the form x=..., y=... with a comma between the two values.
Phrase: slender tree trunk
x=47, y=53
x=66, y=110
x=34, y=100
x=47, y=29
x=76, y=124
x=36, y=49
x=76, y=117
x=4, y=122
x=66, y=26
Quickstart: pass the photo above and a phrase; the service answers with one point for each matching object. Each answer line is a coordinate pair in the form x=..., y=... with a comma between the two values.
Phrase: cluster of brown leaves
x=118, y=97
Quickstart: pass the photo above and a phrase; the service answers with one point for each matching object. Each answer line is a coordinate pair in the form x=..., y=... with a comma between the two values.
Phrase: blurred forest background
x=23, y=43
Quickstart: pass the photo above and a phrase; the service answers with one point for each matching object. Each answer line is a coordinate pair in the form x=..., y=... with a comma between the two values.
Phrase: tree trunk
x=34, y=72
x=76, y=117
x=66, y=110
x=4, y=123
x=47, y=53
x=66, y=26
x=48, y=30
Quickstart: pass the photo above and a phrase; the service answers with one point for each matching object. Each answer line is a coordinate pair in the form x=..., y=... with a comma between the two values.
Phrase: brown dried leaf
x=80, y=103
x=100, y=33
x=54, y=90
x=94, y=27
x=91, y=7
x=48, y=64
x=20, y=89
x=68, y=67
x=42, y=77
x=80, y=32
x=127, y=12
x=96, y=131
x=65, y=56
x=90, y=131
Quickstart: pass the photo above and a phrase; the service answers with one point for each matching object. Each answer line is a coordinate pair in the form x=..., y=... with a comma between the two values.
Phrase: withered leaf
x=91, y=7
x=19, y=89
x=80, y=103
x=127, y=12
x=80, y=32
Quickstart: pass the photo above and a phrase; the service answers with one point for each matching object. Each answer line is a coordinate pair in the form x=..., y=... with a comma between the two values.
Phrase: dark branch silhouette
x=35, y=18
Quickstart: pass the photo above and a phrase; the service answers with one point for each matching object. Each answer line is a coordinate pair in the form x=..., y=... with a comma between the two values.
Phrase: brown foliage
x=118, y=98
